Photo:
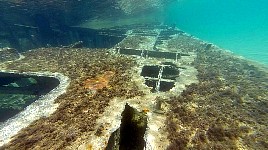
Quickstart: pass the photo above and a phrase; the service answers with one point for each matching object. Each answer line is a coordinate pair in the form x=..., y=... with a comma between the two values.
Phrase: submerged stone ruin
x=156, y=87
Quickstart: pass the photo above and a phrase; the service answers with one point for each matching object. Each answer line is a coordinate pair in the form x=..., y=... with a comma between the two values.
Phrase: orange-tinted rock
x=99, y=82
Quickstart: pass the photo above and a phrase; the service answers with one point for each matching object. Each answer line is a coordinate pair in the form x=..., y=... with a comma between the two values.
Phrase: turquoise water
x=235, y=25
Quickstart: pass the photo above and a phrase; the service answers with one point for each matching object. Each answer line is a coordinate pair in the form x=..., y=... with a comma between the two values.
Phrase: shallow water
x=239, y=26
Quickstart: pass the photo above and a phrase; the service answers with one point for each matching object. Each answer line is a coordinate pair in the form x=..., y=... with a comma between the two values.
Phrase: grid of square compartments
x=154, y=52
x=150, y=54
x=160, y=78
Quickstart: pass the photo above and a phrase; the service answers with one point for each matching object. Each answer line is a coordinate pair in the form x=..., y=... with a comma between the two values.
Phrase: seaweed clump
x=227, y=109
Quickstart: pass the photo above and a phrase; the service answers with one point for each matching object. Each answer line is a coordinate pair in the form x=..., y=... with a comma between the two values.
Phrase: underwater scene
x=133, y=75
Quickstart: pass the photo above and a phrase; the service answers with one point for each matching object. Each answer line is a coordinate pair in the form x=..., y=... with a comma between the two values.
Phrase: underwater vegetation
x=227, y=109
x=78, y=108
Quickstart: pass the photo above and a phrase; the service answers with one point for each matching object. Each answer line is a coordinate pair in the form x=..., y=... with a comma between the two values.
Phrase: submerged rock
x=8, y=54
